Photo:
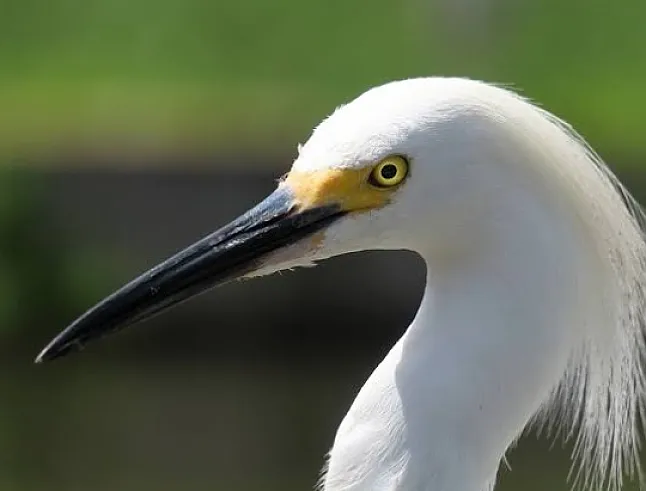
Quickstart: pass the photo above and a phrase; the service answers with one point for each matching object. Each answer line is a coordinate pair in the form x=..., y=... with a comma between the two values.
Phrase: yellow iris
x=389, y=172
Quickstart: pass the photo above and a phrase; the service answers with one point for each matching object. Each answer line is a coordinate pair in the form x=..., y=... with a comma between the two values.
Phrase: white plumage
x=535, y=297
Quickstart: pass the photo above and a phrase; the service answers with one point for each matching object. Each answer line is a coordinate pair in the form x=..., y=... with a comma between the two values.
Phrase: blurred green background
x=129, y=128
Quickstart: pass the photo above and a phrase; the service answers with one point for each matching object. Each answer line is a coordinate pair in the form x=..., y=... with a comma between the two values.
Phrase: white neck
x=489, y=345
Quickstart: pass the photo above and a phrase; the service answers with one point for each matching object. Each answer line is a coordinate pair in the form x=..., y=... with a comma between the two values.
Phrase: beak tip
x=47, y=354
x=42, y=357
x=56, y=349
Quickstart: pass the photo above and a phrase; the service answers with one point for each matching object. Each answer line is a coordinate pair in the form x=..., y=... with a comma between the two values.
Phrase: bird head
x=400, y=167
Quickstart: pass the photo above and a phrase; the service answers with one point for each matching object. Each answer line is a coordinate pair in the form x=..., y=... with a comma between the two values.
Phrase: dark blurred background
x=130, y=128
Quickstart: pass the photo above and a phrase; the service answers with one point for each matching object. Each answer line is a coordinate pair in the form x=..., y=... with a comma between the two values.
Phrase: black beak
x=226, y=254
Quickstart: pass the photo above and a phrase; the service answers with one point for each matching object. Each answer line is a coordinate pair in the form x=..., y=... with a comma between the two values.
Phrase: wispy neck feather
x=593, y=393
x=599, y=401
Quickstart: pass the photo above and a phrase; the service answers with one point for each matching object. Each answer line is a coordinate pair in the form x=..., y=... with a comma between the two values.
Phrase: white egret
x=535, y=296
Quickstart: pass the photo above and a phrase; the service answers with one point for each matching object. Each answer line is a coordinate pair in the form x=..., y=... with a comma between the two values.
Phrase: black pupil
x=388, y=171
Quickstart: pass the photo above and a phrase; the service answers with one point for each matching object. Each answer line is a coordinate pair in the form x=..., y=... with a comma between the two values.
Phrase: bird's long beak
x=231, y=252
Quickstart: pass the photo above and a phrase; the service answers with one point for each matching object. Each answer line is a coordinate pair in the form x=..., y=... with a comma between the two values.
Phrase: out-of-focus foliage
x=201, y=73
x=43, y=281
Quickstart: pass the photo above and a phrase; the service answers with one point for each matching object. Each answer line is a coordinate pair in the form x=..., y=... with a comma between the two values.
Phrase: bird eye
x=389, y=172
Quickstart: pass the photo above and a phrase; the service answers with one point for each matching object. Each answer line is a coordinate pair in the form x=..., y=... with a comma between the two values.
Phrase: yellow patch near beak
x=347, y=187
